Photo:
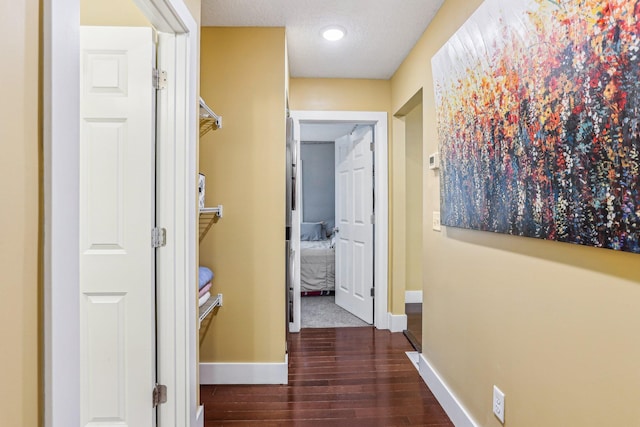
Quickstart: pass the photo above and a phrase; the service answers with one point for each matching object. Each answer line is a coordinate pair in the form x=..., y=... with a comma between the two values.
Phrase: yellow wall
x=413, y=214
x=403, y=132
x=339, y=94
x=554, y=325
x=243, y=79
x=19, y=191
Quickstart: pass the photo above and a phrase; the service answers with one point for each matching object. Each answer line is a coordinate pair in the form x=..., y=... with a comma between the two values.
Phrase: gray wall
x=318, y=181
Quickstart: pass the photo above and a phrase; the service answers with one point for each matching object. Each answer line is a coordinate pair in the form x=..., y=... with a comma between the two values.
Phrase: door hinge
x=373, y=218
x=159, y=394
x=158, y=237
x=373, y=292
x=159, y=79
x=372, y=146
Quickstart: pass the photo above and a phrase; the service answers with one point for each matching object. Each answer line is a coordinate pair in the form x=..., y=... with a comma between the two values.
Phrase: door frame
x=381, y=199
x=61, y=285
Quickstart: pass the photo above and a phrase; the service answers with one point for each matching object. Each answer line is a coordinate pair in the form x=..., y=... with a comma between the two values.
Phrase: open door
x=354, y=223
x=117, y=215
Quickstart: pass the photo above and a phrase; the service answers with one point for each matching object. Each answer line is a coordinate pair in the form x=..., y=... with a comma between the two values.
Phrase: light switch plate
x=436, y=221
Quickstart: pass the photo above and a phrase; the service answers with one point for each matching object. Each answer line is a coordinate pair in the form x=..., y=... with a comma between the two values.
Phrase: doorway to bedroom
x=319, y=233
x=342, y=244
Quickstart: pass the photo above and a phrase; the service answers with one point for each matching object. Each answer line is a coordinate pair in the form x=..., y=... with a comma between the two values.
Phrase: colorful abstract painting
x=538, y=110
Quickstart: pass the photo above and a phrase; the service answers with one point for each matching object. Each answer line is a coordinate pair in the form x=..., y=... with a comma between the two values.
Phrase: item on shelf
x=203, y=299
x=205, y=275
x=201, y=182
x=204, y=290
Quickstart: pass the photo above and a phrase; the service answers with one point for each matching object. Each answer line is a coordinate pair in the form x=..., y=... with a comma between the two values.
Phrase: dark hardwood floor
x=337, y=377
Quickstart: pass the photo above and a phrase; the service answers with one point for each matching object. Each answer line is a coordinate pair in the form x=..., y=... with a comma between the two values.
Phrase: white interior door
x=354, y=210
x=117, y=209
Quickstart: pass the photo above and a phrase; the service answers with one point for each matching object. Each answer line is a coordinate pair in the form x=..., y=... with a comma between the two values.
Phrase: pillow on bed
x=311, y=231
x=329, y=227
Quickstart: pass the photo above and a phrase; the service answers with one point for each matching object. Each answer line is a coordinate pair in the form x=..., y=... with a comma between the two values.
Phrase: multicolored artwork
x=538, y=109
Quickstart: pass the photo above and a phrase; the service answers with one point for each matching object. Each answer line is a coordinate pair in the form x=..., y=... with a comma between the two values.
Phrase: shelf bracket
x=208, y=119
x=216, y=210
x=208, y=307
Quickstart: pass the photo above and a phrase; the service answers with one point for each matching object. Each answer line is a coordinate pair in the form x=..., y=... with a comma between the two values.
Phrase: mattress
x=317, y=266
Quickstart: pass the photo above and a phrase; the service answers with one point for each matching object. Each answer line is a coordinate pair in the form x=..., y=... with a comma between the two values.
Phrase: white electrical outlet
x=498, y=403
x=436, y=220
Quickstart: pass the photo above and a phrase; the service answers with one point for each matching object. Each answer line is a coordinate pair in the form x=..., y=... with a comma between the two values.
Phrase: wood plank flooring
x=337, y=377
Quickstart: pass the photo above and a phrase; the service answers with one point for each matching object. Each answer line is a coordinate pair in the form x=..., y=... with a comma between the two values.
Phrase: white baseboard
x=397, y=322
x=200, y=417
x=413, y=297
x=449, y=402
x=382, y=321
x=414, y=356
x=245, y=373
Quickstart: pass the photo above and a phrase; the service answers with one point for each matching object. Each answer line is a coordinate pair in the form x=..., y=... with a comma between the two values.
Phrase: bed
x=317, y=261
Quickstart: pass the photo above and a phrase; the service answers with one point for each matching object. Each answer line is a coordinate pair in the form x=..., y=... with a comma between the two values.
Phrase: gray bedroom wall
x=318, y=181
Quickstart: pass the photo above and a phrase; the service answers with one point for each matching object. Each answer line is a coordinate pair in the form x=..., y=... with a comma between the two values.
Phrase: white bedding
x=317, y=266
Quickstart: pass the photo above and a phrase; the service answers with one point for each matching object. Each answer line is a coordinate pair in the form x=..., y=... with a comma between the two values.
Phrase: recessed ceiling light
x=333, y=33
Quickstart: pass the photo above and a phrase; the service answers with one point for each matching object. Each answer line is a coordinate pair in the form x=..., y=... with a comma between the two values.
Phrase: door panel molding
x=117, y=211
x=354, y=257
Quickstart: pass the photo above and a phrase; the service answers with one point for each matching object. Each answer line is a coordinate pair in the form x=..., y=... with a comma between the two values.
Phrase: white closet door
x=354, y=209
x=117, y=210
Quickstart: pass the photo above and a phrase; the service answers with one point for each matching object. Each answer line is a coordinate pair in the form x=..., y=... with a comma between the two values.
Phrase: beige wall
x=554, y=325
x=195, y=8
x=413, y=214
x=243, y=79
x=19, y=191
x=111, y=12
x=123, y=12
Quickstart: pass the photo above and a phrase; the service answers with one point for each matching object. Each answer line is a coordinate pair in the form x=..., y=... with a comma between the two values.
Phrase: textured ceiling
x=380, y=33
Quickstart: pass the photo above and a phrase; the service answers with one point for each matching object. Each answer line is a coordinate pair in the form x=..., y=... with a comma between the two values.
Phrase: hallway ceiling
x=379, y=33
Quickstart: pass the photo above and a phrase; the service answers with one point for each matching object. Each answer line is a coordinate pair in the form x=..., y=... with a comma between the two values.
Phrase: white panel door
x=117, y=290
x=354, y=209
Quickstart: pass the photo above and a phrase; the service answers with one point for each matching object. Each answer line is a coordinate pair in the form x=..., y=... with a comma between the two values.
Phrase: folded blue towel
x=205, y=275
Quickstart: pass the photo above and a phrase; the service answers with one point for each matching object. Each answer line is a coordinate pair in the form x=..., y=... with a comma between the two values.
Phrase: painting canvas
x=538, y=113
